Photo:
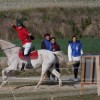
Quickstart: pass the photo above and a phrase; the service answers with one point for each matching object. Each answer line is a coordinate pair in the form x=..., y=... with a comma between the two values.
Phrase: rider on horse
x=26, y=40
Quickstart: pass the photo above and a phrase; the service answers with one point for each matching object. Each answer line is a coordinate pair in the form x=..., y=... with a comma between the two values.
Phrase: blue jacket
x=46, y=45
x=76, y=48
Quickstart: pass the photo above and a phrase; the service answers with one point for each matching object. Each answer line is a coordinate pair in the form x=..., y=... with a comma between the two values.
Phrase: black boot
x=29, y=65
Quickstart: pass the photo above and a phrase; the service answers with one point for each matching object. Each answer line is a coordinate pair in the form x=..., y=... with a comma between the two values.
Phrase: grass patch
x=84, y=97
x=90, y=45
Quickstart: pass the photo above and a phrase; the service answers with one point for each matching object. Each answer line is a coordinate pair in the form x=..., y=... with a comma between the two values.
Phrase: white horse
x=46, y=59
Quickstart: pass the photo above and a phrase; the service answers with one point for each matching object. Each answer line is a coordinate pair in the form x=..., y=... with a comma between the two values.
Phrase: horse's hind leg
x=4, y=77
x=57, y=74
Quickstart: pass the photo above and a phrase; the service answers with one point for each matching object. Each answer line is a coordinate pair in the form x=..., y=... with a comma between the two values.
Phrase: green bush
x=2, y=15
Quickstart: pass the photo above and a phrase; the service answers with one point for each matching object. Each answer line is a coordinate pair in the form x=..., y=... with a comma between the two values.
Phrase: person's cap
x=47, y=34
x=19, y=24
x=74, y=36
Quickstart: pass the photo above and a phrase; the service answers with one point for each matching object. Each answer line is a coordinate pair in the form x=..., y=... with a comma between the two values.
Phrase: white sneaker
x=75, y=79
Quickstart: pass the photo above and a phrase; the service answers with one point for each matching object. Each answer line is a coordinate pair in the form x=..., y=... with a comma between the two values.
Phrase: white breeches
x=27, y=47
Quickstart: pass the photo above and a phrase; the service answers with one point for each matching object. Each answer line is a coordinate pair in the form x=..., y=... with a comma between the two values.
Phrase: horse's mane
x=7, y=42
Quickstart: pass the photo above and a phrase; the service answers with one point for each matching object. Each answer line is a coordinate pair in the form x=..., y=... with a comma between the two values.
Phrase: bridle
x=7, y=48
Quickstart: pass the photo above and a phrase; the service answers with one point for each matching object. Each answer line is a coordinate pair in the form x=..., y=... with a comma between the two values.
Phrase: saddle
x=33, y=54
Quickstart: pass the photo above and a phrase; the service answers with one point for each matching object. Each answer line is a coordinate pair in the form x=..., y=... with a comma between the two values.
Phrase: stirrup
x=23, y=65
x=29, y=66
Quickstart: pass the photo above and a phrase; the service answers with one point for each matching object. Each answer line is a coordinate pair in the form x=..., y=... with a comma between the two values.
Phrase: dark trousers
x=49, y=73
x=76, y=66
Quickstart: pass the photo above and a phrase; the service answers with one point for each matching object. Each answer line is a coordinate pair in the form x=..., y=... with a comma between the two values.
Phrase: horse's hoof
x=3, y=83
x=36, y=87
x=60, y=85
x=5, y=78
x=0, y=87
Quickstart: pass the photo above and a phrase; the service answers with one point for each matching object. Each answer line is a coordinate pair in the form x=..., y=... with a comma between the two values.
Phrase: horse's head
x=5, y=44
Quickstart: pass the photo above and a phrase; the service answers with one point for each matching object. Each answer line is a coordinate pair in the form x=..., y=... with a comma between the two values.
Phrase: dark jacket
x=46, y=45
x=55, y=47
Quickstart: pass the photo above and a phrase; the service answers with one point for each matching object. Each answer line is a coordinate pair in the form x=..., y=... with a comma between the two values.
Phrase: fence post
x=98, y=74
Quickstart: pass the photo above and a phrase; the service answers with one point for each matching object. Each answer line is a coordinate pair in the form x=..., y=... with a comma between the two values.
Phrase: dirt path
x=25, y=89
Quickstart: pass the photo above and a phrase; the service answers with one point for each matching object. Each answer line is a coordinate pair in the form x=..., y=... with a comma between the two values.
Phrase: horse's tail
x=62, y=59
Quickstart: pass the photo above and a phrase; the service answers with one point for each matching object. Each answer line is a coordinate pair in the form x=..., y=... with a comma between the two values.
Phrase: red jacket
x=22, y=34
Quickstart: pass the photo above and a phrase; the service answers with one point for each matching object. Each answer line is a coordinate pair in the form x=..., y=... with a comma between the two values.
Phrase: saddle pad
x=32, y=55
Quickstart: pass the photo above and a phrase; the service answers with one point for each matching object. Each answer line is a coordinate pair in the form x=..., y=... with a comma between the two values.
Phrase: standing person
x=26, y=40
x=46, y=44
x=55, y=47
x=74, y=54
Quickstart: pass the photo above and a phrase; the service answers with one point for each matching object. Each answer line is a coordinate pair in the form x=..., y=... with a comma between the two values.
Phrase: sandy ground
x=24, y=89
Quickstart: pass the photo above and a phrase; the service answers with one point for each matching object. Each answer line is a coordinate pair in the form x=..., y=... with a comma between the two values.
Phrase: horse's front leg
x=44, y=70
x=40, y=81
x=5, y=73
x=4, y=78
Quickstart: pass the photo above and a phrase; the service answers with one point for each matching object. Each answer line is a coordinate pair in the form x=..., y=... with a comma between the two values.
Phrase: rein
x=8, y=48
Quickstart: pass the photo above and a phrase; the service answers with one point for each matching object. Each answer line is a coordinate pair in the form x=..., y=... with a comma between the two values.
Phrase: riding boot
x=28, y=65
